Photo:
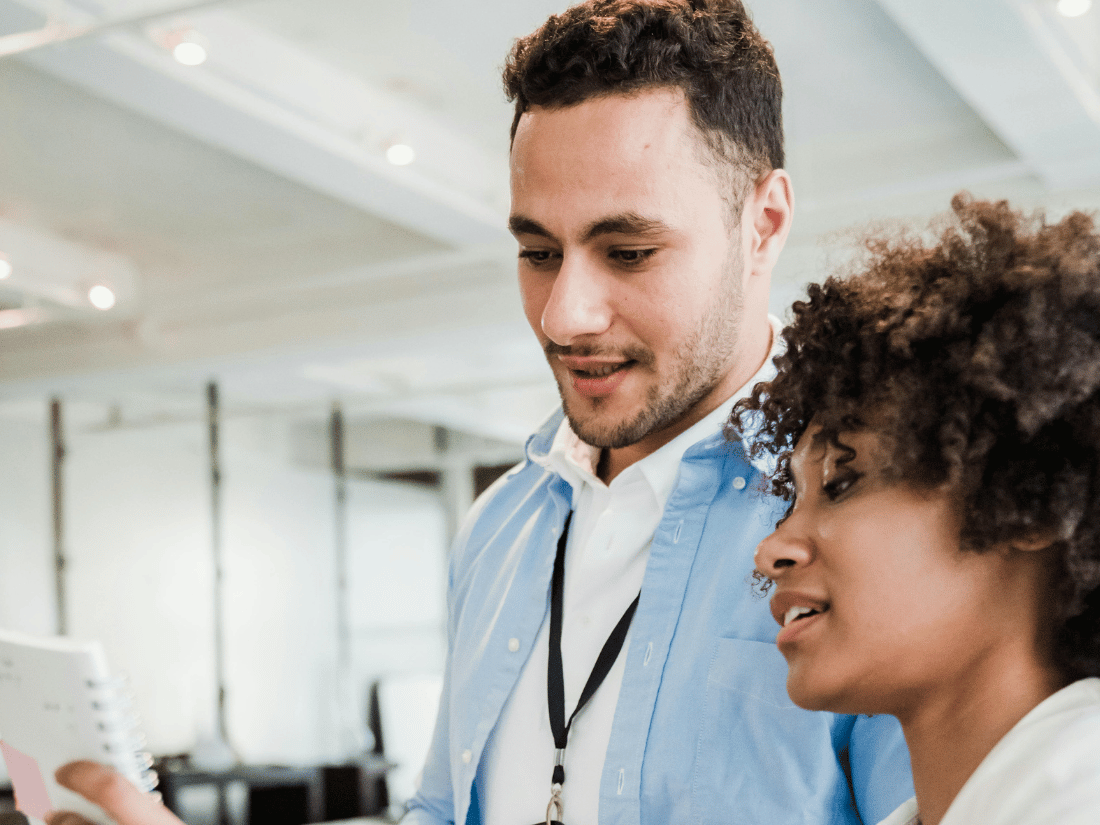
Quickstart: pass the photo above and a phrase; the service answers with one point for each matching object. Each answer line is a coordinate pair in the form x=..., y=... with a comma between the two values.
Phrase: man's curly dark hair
x=977, y=360
x=710, y=49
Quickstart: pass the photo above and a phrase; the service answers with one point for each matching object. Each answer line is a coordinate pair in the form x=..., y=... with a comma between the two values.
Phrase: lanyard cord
x=555, y=673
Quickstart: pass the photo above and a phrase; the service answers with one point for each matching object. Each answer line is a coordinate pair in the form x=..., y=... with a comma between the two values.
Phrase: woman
x=936, y=421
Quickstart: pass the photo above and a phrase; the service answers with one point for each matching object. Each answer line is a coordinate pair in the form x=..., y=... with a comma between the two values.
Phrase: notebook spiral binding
x=123, y=739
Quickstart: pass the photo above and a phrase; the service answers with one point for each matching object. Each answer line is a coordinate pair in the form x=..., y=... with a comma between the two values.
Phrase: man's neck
x=613, y=461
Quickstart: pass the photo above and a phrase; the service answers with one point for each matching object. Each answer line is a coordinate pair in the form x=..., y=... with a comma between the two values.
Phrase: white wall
x=139, y=569
x=26, y=539
x=140, y=574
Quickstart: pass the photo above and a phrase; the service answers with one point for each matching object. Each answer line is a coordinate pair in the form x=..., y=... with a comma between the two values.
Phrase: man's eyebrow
x=522, y=225
x=628, y=223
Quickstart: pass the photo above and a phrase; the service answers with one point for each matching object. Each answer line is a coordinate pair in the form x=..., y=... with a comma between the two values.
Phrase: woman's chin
x=809, y=695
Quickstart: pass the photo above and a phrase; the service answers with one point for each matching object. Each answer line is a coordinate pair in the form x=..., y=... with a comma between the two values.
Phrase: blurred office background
x=301, y=203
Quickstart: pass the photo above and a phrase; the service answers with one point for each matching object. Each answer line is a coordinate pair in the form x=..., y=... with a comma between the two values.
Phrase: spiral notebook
x=58, y=703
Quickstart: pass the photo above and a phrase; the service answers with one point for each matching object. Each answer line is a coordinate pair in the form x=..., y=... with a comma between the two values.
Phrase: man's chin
x=606, y=431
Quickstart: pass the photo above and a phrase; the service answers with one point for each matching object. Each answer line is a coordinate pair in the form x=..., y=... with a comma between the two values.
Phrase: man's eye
x=835, y=488
x=536, y=256
x=632, y=256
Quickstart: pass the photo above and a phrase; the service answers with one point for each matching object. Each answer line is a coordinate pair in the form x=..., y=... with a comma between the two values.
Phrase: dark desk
x=281, y=795
x=7, y=798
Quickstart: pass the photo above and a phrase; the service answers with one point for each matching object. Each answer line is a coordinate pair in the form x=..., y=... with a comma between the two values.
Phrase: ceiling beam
x=56, y=31
x=355, y=316
x=1007, y=61
x=261, y=99
x=51, y=277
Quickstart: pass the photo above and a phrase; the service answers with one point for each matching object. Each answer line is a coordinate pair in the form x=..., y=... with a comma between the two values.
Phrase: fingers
x=66, y=818
x=112, y=792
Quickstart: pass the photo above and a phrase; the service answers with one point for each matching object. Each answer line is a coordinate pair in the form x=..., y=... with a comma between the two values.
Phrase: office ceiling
x=246, y=216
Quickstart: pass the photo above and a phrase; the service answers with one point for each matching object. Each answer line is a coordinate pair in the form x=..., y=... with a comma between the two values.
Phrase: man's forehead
x=624, y=139
x=650, y=112
x=559, y=152
x=616, y=164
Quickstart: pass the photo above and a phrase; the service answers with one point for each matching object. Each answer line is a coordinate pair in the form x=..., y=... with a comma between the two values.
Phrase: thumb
x=111, y=791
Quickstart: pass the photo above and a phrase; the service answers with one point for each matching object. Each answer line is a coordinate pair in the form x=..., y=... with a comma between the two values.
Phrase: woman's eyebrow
x=797, y=480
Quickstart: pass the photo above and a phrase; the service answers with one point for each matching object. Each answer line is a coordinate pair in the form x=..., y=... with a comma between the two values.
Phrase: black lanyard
x=555, y=675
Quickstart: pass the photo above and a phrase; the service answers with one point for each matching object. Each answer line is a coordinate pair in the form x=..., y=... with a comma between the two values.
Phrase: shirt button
x=466, y=757
x=513, y=645
x=739, y=483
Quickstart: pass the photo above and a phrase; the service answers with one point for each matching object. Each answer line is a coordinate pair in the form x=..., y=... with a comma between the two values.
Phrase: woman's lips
x=796, y=612
x=798, y=628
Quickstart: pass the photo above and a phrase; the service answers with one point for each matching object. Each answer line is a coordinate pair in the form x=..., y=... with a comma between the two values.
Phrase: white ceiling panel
x=1008, y=62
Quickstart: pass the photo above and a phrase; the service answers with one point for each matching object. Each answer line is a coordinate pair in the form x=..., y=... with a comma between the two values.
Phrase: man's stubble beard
x=701, y=363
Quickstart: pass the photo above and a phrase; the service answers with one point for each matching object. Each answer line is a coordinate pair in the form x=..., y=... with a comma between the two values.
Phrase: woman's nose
x=783, y=549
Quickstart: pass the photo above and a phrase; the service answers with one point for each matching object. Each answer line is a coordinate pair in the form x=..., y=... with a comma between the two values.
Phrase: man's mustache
x=643, y=356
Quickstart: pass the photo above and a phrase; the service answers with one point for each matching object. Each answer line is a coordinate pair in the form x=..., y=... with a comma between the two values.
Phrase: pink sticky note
x=30, y=790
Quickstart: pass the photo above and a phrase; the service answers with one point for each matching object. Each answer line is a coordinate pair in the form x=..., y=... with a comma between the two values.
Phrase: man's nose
x=787, y=547
x=579, y=304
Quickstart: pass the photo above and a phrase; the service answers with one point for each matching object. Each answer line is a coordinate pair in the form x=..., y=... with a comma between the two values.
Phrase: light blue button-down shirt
x=704, y=731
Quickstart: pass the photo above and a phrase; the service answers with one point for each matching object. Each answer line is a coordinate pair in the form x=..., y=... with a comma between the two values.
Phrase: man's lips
x=592, y=367
x=596, y=377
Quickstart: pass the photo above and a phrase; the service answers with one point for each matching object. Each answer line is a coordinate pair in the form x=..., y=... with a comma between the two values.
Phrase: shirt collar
x=575, y=461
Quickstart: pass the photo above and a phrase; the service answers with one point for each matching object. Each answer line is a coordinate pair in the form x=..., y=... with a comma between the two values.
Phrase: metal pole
x=353, y=735
x=213, y=418
x=57, y=460
x=340, y=539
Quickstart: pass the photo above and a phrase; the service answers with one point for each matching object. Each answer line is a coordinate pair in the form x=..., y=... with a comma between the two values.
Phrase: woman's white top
x=1045, y=771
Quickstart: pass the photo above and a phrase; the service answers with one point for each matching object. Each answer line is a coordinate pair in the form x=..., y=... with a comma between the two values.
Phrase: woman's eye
x=836, y=487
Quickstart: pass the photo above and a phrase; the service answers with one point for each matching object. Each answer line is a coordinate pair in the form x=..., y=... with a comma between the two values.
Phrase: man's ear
x=766, y=222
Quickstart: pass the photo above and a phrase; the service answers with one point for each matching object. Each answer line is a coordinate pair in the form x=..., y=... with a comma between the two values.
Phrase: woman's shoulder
x=1045, y=771
x=906, y=814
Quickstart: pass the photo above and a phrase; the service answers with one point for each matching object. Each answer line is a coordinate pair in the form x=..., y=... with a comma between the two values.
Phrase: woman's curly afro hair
x=977, y=360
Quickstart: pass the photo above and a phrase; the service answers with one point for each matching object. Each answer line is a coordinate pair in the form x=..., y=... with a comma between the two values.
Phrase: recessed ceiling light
x=5, y=268
x=101, y=297
x=189, y=53
x=1074, y=8
x=400, y=154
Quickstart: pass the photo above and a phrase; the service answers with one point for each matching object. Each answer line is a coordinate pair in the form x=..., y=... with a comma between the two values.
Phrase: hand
x=111, y=791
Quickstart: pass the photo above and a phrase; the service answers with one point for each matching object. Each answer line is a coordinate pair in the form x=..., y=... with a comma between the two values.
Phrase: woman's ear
x=1033, y=542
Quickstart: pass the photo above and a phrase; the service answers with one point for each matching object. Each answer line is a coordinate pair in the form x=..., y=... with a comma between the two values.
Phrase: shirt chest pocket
x=759, y=757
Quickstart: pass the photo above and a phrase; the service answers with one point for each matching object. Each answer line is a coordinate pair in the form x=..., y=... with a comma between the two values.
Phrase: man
x=650, y=204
